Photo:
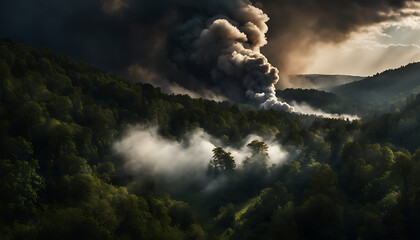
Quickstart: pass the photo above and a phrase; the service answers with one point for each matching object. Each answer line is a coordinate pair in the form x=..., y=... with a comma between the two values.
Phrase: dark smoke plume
x=217, y=45
x=222, y=45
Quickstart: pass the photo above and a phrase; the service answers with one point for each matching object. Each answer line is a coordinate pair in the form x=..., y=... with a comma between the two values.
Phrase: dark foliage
x=60, y=180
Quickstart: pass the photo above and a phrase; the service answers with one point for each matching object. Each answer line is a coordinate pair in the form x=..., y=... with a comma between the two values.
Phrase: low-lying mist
x=304, y=108
x=175, y=164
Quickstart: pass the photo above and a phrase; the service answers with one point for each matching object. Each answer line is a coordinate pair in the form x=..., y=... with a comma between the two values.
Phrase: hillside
x=321, y=81
x=58, y=121
x=61, y=176
x=401, y=128
x=326, y=101
x=387, y=86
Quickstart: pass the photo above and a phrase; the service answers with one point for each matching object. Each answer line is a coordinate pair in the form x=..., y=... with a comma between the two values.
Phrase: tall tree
x=222, y=161
x=259, y=151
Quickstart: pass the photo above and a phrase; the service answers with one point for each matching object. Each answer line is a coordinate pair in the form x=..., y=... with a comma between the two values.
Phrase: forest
x=61, y=179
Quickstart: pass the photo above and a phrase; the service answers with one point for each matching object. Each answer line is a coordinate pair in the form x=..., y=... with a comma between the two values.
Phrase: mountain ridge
x=385, y=86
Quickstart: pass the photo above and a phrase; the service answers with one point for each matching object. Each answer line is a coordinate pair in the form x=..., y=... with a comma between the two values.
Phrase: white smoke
x=304, y=108
x=147, y=155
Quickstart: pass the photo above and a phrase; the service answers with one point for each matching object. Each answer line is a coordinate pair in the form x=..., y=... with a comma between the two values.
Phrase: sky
x=234, y=49
x=371, y=50
x=359, y=38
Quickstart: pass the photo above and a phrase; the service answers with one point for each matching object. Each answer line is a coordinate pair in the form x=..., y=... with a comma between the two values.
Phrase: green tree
x=221, y=161
x=259, y=151
x=402, y=169
x=20, y=184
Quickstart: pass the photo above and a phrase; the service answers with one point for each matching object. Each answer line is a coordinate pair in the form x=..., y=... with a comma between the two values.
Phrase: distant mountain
x=320, y=81
x=385, y=87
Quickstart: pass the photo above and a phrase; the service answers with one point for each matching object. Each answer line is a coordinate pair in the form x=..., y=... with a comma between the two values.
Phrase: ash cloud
x=179, y=164
x=218, y=45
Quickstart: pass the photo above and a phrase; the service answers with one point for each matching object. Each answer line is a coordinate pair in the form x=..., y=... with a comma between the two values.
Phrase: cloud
x=298, y=28
x=363, y=59
x=373, y=49
x=147, y=152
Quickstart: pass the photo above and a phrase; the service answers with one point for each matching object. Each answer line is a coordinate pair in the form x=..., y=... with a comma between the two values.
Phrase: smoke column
x=223, y=46
x=195, y=43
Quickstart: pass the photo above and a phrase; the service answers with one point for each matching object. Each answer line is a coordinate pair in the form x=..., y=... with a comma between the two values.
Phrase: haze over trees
x=60, y=179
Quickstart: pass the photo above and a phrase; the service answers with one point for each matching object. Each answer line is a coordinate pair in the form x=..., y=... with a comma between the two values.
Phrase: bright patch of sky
x=401, y=35
x=373, y=49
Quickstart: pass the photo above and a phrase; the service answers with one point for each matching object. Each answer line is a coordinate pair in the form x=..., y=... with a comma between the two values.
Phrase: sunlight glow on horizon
x=372, y=50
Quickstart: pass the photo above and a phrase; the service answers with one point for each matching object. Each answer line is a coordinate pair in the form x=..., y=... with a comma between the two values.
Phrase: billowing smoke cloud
x=147, y=155
x=224, y=46
x=198, y=44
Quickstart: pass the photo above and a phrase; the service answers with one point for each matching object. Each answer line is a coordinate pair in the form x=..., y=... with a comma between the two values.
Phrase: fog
x=175, y=164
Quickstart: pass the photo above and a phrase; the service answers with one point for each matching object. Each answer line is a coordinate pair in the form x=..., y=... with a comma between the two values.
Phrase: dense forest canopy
x=60, y=177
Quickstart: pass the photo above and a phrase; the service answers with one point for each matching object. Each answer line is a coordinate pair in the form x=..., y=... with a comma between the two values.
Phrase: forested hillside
x=59, y=119
x=321, y=81
x=386, y=87
x=60, y=178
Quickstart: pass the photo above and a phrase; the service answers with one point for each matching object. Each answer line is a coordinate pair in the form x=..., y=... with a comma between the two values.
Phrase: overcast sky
x=353, y=37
